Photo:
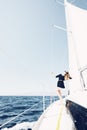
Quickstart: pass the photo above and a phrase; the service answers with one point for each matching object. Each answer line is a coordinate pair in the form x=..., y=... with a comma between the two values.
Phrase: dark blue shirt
x=60, y=82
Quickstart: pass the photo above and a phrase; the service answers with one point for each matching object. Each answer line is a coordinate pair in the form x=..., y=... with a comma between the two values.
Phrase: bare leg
x=59, y=95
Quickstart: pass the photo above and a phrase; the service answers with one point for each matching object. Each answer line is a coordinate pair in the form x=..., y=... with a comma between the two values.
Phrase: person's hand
x=53, y=74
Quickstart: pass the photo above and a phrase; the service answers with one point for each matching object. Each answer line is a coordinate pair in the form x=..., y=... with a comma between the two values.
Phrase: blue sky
x=30, y=48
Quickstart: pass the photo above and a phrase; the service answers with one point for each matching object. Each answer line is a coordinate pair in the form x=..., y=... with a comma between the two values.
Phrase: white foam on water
x=21, y=126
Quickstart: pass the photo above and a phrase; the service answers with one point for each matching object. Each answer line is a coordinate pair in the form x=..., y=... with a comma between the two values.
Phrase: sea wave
x=20, y=112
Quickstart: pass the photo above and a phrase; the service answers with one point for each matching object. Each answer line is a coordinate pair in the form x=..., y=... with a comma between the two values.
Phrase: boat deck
x=55, y=117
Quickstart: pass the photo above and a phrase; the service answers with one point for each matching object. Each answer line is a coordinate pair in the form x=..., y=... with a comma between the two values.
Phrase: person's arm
x=58, y=75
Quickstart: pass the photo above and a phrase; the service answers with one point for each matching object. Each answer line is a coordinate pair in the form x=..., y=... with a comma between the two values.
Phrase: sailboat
x=72, y=115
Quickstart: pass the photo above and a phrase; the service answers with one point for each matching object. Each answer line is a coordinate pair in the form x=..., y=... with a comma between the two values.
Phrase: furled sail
x=76, y=20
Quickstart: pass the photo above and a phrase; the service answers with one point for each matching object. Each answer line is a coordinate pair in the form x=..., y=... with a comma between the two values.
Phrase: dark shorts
x=60, y=84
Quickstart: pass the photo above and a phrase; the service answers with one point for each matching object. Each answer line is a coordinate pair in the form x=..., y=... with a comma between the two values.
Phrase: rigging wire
x=19, y=114
x=54, y=57
x=52, y=49
x=73, y=1
x=59, y=2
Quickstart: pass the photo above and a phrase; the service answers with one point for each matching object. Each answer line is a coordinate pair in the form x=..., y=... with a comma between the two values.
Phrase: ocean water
x=20, y=112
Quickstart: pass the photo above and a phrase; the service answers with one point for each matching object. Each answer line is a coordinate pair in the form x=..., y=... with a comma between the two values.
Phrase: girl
x=60, y=83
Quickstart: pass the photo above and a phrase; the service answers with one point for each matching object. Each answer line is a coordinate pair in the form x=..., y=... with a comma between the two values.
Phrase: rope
x=21, y=114
x=59, y=118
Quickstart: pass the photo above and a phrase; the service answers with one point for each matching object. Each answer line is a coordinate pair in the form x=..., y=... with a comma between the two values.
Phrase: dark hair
x=66, y=72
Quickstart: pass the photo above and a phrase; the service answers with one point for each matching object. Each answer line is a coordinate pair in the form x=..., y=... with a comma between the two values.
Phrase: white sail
x=76, y=20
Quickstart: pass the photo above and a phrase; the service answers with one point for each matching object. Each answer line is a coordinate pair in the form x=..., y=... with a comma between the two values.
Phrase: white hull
x=56, y=117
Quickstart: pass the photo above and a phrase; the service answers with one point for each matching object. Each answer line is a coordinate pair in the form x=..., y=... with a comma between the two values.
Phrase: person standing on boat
x=60, y=83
